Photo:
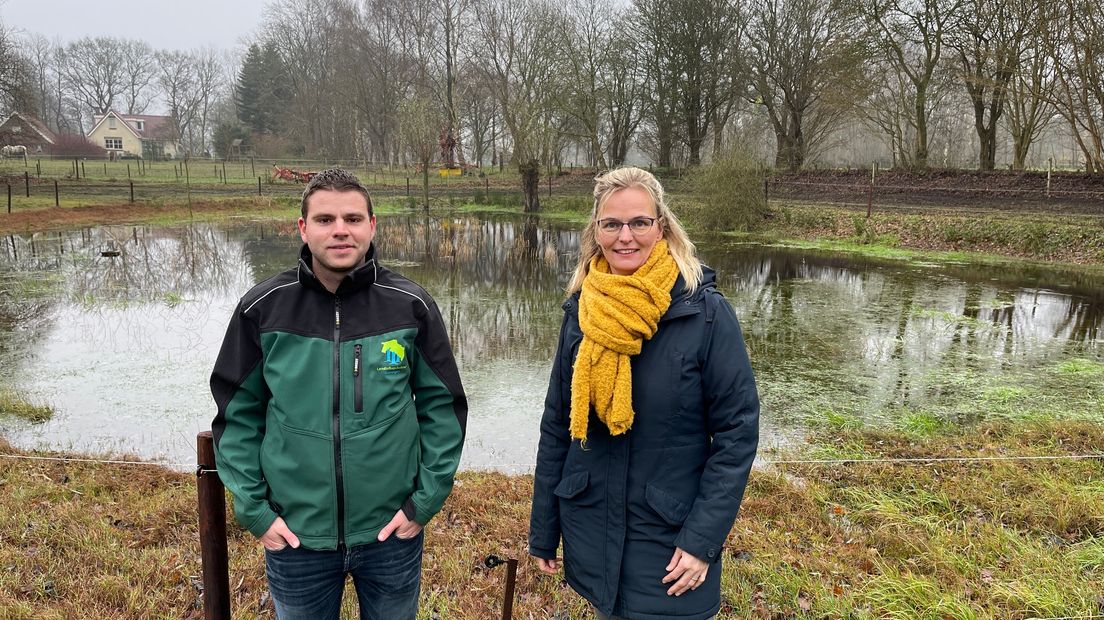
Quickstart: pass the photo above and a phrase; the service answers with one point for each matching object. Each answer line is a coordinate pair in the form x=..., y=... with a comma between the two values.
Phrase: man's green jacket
x=335, y=410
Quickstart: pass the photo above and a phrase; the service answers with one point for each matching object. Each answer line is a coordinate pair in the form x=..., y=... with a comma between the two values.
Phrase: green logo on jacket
x=393, y=353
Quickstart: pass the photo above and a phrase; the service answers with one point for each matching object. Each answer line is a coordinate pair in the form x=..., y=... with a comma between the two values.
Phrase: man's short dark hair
x=338, y=180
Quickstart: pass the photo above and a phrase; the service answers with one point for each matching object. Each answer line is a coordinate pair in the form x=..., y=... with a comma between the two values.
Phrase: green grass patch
x=13, y=404
x=1080, y=366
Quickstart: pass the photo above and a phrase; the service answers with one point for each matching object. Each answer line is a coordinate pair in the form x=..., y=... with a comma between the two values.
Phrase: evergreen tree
x=262, y=90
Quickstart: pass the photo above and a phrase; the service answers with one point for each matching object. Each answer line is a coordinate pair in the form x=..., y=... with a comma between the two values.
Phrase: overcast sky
x=164, y=24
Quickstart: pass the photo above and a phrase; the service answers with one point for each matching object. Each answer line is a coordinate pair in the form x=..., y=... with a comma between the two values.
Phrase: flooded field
x=117, y=329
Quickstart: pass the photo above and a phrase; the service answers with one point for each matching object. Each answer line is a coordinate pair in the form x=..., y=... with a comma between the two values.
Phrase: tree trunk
x=425, y=185
x=530, y=179
x=666, y=144
x=1020, y=145
x=695, y=136
x=920, y=154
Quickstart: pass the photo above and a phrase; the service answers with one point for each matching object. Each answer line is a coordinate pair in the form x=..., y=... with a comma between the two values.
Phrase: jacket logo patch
x=393, y=354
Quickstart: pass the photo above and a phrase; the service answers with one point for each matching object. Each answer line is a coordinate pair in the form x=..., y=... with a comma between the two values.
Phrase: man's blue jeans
x=307, y=585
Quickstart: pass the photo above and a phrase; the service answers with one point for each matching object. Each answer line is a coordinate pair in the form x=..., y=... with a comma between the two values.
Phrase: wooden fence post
x=27, y=183
x=132, y=192
x=1050, y=169
x=212, y=532
x=870, y=191
x=57, y=195
x=9, y=197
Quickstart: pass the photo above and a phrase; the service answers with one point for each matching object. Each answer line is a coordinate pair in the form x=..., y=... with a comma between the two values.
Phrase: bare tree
x=192, y=84
x=1079, y=87
x=39, y=53
x=1029, y=104
x=692, y=60
x=139, y=71
x=622, y=94
x=16, y=80
x=804, y=66
x=909, y=36
x=477, y=105
x=419, y=120
x=305, y=33
x=662, y=67
x=451, y=18
x=375, y=71
x=585, y=35
x=515, y=39
x=94, y=69
x=989, y=41
x=176, y=80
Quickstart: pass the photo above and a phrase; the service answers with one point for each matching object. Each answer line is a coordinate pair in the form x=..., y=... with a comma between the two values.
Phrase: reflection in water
x=122, y=346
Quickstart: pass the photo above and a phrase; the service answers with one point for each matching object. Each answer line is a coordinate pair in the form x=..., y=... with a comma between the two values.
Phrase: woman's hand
x=687, y=571
x=548, y=566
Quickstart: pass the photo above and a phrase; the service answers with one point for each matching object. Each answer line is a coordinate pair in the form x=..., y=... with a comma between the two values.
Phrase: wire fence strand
x=842, y=461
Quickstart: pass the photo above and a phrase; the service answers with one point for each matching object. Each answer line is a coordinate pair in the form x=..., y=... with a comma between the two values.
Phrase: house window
x=141, y=125
x=16, y=129
x=111, y=123
x=113, y=144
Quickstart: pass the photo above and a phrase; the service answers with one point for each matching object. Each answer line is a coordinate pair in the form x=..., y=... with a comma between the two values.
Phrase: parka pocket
x=671, y=509
x=571, y=486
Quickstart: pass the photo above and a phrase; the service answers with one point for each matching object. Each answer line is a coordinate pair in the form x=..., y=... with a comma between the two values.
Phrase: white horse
x=14, y=150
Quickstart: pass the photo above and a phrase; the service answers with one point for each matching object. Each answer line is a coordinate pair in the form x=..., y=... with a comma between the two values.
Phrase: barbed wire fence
x=74, y=179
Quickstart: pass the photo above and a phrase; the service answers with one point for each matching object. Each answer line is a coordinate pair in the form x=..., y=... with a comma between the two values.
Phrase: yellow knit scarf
x=616, y=314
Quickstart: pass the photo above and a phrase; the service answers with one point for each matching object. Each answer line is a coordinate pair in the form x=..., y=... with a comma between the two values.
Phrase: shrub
x=730, y=193
x=76, y=145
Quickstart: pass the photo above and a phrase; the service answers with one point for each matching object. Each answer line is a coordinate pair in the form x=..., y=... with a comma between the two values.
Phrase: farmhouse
x=24, y=129
x=136, y=135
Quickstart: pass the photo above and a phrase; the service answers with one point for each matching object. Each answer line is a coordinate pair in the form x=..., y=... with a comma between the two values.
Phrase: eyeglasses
x=637, y=225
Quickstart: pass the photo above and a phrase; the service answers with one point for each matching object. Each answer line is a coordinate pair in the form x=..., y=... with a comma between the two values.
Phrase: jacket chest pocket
x=375, y=375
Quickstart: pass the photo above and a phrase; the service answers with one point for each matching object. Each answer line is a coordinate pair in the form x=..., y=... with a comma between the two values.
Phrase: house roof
x=154, y=127
x=34, y=124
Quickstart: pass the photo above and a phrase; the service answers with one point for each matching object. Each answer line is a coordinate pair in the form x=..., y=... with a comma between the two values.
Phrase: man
x=340, y=416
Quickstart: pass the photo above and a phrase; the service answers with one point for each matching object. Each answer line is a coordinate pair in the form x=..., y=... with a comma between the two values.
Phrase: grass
x=11, y=403
x=940, y=234
x=985, y=540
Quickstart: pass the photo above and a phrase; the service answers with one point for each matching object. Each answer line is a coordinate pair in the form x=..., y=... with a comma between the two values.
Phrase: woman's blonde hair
x=678, y=243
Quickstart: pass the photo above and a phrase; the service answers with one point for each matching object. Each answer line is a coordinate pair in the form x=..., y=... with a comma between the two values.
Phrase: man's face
x=338, y=231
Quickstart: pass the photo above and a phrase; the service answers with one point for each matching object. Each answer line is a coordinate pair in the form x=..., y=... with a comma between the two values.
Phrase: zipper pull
x=356, y=361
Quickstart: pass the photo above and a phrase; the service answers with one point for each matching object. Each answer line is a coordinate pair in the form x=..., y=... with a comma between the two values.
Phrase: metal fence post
x=212, y=532
x=27, y=183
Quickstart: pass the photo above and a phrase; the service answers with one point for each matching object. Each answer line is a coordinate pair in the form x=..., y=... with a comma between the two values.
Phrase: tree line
x=536, y=82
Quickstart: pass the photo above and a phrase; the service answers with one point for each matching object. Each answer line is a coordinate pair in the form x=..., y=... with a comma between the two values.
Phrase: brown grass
x=951, y=540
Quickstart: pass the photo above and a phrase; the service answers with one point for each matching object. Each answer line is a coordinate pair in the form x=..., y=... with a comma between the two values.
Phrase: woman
x=651, y=420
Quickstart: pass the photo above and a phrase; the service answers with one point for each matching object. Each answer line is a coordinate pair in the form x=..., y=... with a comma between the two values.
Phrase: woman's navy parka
x=675, y=479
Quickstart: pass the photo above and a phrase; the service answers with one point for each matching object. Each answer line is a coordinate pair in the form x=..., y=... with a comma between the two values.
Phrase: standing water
x=121, y=346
